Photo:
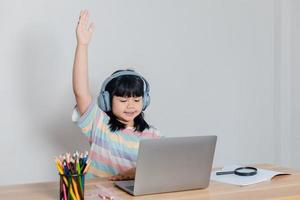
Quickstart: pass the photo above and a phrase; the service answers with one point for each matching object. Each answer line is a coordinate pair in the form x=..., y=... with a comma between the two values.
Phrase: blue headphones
x=104, y=97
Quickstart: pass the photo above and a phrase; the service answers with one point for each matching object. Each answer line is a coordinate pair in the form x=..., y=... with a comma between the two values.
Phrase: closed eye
x=122, y=99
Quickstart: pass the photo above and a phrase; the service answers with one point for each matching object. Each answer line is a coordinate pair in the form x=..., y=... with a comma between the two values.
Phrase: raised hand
x=84, y=29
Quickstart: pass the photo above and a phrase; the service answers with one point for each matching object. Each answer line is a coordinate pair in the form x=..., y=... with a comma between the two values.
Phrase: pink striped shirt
x=111, y=152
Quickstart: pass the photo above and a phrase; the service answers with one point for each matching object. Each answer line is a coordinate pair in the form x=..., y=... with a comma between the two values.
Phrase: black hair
x=126, y=86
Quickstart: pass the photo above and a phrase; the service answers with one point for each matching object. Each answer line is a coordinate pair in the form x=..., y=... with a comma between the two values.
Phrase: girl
x=113, y=122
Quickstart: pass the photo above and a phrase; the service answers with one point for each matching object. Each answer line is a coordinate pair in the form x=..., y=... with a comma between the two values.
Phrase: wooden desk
x=282, y=187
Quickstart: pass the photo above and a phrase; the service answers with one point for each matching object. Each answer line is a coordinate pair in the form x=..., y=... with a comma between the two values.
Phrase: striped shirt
x=110, y=152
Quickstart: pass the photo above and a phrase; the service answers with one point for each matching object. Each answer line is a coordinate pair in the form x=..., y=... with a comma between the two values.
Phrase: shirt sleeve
x=88, y=120
x=156, y=132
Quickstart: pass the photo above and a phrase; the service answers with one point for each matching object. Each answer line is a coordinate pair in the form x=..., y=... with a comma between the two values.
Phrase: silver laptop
x=172, y=164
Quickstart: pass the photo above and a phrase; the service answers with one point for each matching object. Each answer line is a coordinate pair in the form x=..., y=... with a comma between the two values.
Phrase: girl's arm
x=81, y=88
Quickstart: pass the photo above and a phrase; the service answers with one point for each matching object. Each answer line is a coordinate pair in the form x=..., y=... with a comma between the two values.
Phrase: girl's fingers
x=112, y=178
x=91, y=27
x=81, y=15
x=85, y=18
x=85, y=14
x=118, y=177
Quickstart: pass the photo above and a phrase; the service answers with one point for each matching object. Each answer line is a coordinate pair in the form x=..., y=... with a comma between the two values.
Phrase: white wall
x=287, y=93
x=212, y=67
x=295, y=83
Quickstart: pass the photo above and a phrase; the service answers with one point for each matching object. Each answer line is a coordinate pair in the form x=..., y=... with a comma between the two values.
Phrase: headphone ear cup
x=107, y=100
x=104, y=101
x=146, y=101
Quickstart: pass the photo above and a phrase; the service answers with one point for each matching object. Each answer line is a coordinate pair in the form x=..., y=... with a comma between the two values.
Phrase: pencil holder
x=71, y=187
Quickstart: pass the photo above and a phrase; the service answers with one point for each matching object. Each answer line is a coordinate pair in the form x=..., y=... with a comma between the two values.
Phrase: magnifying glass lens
x=245, y=170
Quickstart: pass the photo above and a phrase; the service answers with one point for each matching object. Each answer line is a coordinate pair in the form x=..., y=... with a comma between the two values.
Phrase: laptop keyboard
x=130, y=187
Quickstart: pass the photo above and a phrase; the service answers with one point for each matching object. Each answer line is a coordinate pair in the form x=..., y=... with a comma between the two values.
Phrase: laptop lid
x=174, y=164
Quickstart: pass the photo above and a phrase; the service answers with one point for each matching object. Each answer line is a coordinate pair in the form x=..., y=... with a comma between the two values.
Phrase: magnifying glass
x=241, y=171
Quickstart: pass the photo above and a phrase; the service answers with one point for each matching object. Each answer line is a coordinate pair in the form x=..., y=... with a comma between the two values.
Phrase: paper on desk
x=99, y=192
x=262, y=175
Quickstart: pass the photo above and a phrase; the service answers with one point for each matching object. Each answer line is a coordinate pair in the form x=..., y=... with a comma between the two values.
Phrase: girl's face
x=127, y=108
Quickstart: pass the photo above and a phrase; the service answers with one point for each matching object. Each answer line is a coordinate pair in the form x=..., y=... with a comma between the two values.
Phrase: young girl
x=113, y=122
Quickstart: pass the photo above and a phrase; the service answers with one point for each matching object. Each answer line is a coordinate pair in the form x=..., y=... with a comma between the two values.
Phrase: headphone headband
x=123, y=73
x=103, y=99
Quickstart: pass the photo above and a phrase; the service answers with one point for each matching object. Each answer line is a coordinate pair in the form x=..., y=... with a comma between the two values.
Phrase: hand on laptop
x=126, y=175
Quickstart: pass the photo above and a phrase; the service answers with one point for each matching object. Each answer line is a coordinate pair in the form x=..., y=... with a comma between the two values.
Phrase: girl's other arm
x=126, y=175
x=81, y=88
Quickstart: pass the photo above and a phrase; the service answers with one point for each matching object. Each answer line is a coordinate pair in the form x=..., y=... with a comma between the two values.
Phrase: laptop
x=171, y=164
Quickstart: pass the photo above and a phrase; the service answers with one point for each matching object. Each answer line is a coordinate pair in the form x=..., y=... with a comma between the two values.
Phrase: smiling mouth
x=129, y=113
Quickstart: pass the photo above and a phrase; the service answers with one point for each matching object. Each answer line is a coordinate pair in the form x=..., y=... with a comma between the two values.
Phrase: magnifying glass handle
x=224, y=173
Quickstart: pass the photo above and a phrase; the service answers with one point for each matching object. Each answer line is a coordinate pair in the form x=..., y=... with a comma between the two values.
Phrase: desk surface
x=281, y=187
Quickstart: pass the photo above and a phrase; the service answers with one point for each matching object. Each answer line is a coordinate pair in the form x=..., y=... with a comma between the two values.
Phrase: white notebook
x=262, y=175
